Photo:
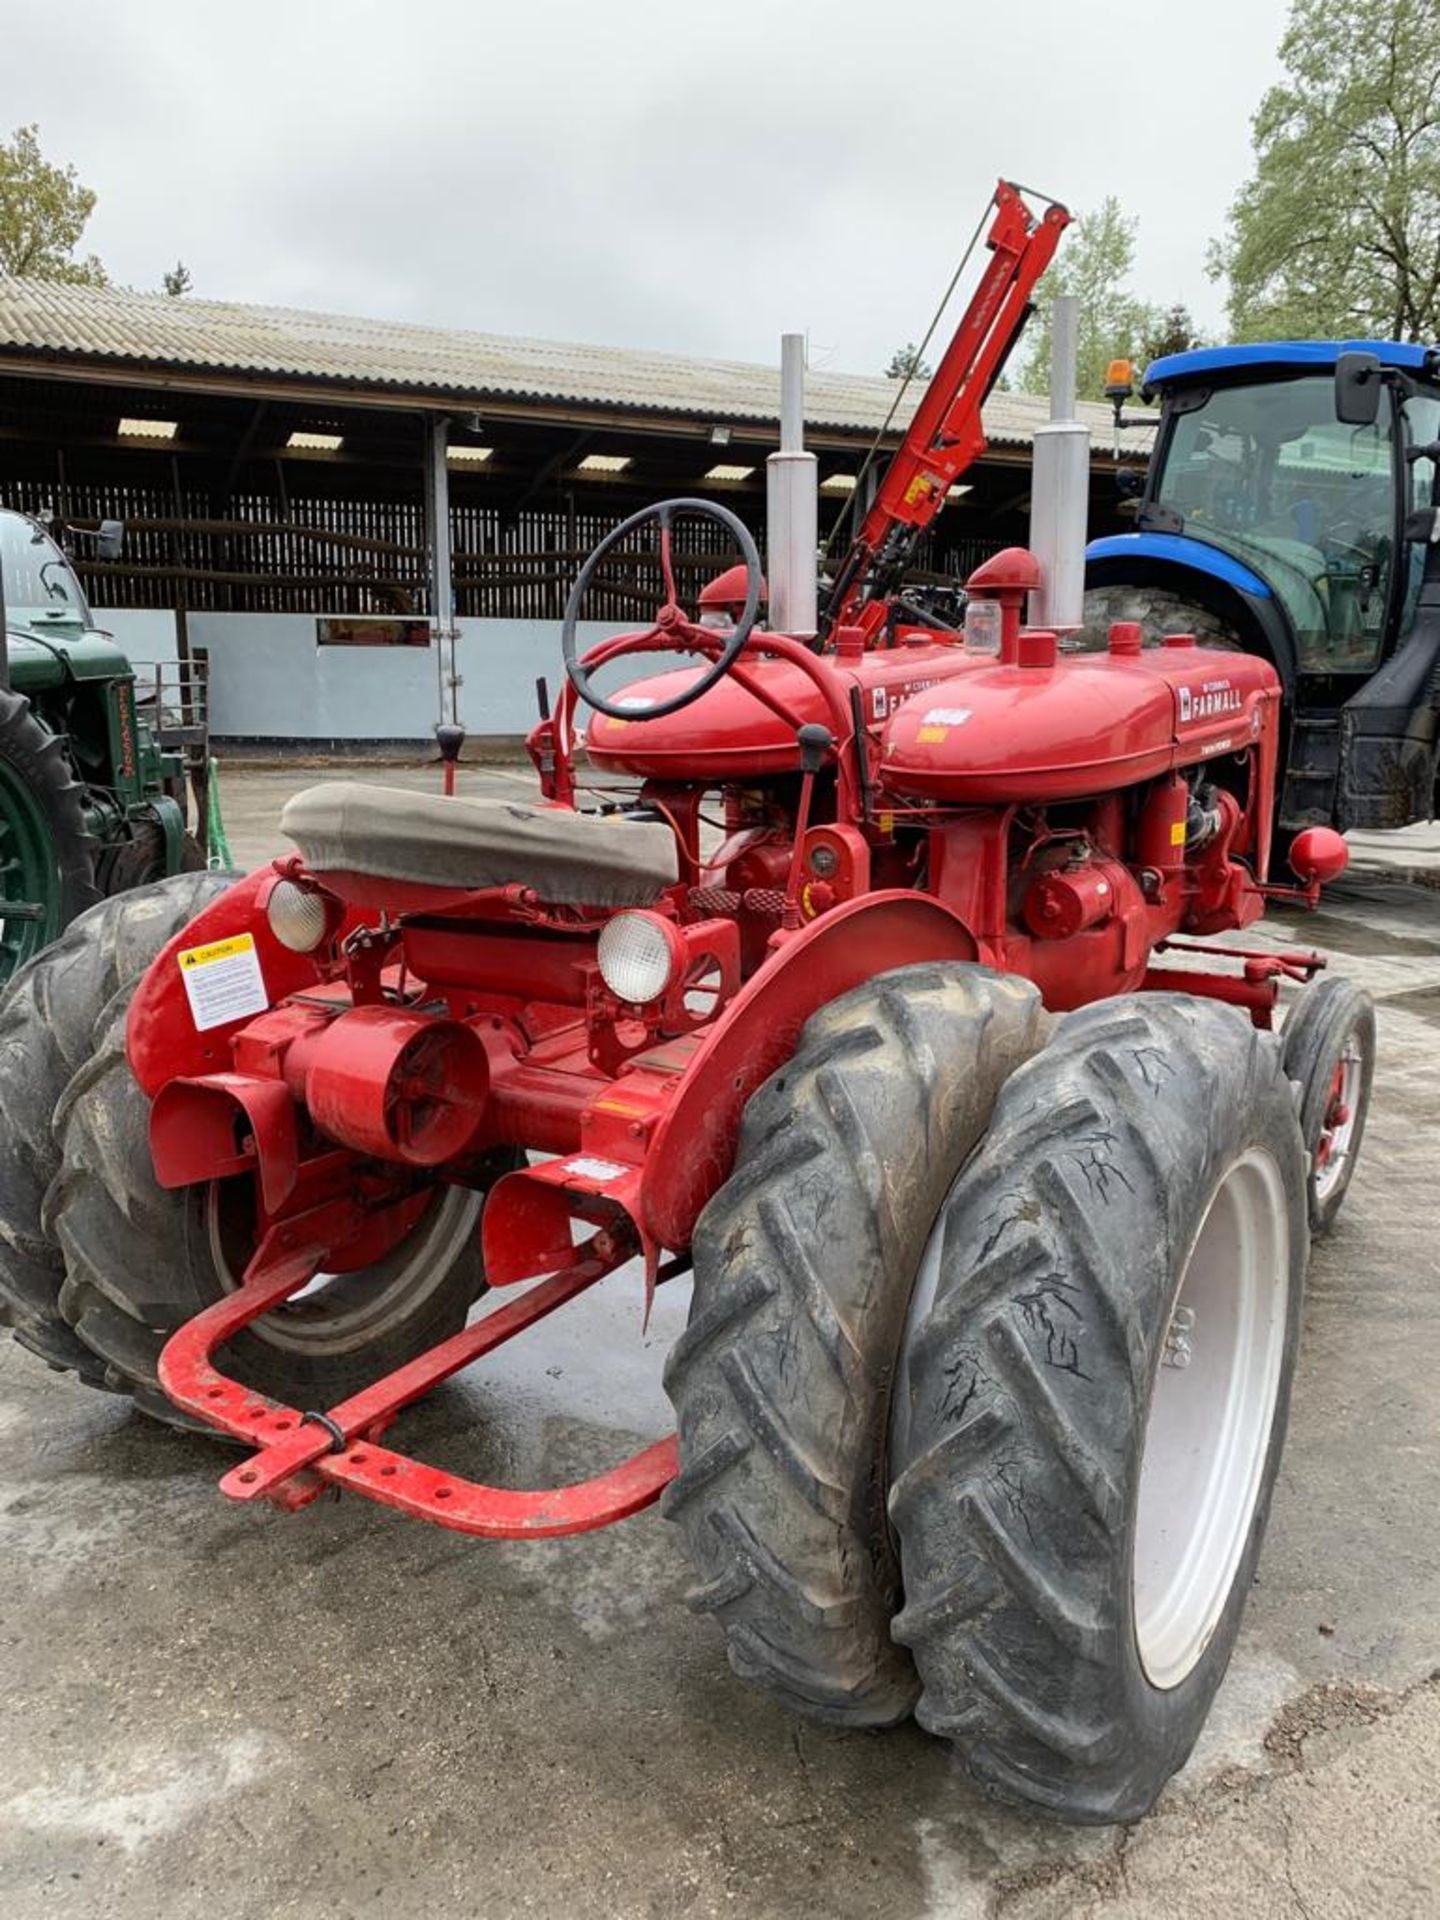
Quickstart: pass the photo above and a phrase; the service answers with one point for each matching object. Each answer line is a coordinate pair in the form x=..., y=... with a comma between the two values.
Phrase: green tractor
x=97, y=769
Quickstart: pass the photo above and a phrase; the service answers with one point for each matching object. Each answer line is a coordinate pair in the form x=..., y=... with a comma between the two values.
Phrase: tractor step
x=301, y=1453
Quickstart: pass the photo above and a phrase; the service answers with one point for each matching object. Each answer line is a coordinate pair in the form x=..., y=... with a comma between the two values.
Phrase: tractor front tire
x=1328, y=1046
x=48, y=1019
x=804, y=1262
x=1093, y=1402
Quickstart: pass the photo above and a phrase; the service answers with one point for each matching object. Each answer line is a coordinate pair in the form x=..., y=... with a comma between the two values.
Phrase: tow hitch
x=302, y=1451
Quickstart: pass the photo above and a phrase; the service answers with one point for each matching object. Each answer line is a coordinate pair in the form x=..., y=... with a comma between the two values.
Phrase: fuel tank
x=730, y=735
x=1063, y=727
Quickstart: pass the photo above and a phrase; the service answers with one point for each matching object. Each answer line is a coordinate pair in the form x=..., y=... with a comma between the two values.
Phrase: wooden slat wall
x=365, y=553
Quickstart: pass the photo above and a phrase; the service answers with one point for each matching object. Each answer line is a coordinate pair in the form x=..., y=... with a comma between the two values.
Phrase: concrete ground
x=206, y=1708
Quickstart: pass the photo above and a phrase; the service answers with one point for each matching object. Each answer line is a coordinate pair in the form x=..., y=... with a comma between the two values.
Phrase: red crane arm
x=946, y=433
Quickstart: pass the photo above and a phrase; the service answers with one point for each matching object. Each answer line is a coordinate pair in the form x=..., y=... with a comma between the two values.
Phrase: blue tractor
x=1290, y=509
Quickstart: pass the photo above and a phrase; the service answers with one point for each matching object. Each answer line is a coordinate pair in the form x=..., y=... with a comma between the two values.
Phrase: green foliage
x=1338, y=231
x=1171, y=330
x=43, y=211
x=906, y=364
x=177, y=281
x=1094, y=263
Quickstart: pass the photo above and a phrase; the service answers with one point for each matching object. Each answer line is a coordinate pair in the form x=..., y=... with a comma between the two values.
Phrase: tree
x=1171, y=330
x=1094, y=263
x=177, y=281
x=906, y=364
x=1337, y=233
x=43, y=211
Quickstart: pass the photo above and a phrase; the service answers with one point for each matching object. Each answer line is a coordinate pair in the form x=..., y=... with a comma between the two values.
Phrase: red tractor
x=983, y=1390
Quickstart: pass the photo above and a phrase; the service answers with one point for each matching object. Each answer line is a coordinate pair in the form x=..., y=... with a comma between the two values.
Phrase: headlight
x=639, y=956
x=298, y=916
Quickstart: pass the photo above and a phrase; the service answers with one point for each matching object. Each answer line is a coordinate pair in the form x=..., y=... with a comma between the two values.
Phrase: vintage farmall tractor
x=983, y=1390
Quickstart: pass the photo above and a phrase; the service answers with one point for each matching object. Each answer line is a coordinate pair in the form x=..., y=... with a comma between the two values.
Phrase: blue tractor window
x=1267, y=473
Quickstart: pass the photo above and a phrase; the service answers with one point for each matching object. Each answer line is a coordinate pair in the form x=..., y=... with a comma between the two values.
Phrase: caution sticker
x=223, y=981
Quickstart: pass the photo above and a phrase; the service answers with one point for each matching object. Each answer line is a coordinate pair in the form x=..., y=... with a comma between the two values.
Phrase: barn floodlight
x=315, y=442
x=604, y=463
x=726, y=472
x=148, y=429
x=720, y=436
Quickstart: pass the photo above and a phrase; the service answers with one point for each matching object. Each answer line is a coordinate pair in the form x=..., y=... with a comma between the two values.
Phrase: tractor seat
x=350, y=833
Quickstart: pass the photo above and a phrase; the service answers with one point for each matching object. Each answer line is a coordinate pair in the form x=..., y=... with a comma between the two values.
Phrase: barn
x=280, y=474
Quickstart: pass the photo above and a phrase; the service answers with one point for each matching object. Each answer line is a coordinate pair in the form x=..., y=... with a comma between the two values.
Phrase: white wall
x=270, y=679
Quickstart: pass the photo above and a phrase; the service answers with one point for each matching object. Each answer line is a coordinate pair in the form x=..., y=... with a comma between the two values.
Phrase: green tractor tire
x=47, y=857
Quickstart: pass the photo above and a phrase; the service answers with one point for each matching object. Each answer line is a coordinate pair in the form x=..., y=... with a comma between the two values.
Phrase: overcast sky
x=694, y=176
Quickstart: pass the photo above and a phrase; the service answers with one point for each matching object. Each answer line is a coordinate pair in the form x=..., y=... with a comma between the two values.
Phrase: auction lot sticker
x=223, y=981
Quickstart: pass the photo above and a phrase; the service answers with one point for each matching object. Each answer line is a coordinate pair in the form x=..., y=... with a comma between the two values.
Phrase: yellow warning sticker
x=223, y=981
x=1177, y=833
x=931, y=736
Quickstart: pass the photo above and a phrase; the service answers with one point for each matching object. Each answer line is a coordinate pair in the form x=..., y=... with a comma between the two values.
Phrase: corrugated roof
x=154, y=331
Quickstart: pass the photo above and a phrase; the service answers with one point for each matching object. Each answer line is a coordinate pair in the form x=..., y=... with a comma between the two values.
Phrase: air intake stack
x=1060, y=486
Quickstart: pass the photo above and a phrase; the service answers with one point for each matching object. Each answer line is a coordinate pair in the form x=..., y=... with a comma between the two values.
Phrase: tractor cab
x=1288, y=502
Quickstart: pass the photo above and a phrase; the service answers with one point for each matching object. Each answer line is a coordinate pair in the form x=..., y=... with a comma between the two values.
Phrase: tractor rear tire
x=1328, y=1046
x=141, y=1260
x=1083, y=1473
x=1158, y=613
x=47, y=855
x=804, y=1262
x=48, y=1018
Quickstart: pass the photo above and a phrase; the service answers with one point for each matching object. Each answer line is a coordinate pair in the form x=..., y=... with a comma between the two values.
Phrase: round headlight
x=298, y=916
x=638, y=957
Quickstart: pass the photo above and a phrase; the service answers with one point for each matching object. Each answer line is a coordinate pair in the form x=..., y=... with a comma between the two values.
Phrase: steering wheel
x=672, y=627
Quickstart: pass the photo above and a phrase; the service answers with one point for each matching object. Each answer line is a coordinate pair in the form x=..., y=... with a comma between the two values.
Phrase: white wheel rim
x=1211, y=1413
x=1337, y=1141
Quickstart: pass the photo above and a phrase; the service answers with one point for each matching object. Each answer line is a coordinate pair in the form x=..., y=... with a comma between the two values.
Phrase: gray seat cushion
x=391, y=833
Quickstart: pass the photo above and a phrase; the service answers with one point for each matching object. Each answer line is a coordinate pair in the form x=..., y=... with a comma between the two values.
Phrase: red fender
x=160, y=1036
x=693, y=1146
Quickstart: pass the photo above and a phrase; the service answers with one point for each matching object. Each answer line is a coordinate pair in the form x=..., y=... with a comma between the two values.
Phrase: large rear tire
x=141, y=1260
x=804, y=1262
x=1080, y=1521
x=47, y=873
x=48, y=1019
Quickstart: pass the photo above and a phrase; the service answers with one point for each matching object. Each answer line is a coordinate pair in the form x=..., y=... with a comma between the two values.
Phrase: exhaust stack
x=792, y=499
x=1060, y=486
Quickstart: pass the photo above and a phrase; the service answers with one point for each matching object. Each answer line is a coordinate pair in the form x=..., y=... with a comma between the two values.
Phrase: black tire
x=36, y=758
x=1331, y=1022
x=48, y=1017
x=804, y=1262
x=1157, y=611
x=139, y=860
x=1044, y=1310
x=141, y=1260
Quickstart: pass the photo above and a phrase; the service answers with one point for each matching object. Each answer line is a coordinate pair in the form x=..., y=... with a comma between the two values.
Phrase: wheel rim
x=1337, y=1136
x=29, y=881
x=340, y=1312
x=1212, y=1410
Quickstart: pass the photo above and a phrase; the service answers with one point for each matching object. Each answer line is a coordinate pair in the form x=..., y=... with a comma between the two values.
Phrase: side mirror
x=109, y=539
x=1130, y=482
x=1357, y=389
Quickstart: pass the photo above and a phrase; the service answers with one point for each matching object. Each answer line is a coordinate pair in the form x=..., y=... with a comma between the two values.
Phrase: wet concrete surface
x=209, y=1709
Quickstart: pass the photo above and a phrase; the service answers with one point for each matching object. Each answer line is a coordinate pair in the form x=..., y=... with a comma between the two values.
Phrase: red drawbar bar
x=303, y=1452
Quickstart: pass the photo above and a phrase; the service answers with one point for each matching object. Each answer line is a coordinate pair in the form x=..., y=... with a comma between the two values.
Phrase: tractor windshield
x=1267, y=473
x=39, y=584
